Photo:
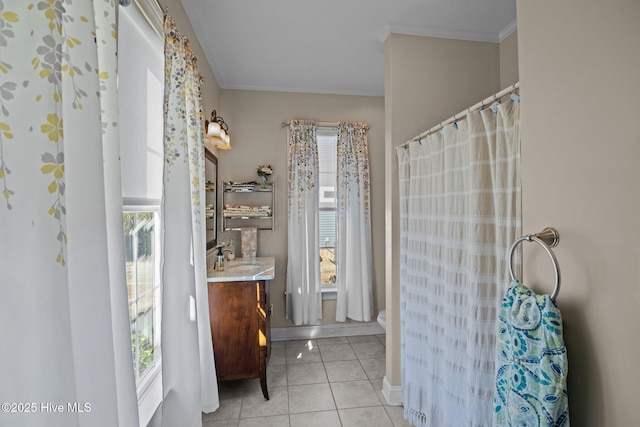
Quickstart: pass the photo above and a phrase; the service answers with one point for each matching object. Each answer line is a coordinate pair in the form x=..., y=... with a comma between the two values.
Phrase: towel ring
x=548, y=239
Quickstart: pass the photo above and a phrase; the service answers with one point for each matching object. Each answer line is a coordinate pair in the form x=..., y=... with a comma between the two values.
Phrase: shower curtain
x=460, y=211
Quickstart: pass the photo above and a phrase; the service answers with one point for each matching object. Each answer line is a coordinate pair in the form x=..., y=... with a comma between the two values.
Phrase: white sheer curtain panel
x=66, y=338
x=460, y=212
x=304, y=299
x=353, y=243
x=188, y=370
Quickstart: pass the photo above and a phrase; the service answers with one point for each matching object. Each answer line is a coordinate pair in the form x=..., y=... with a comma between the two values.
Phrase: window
x=140, y=104
x=327, y=163
x=142, y=262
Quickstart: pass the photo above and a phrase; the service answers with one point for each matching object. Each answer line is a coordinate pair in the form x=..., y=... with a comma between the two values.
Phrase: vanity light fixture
x=217, y=132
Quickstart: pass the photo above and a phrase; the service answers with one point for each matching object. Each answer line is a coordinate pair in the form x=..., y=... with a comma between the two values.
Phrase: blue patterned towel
x=531, y=363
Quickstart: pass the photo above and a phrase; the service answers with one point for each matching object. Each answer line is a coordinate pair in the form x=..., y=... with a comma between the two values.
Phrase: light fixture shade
x=214, y=140
x=226, y=144
x=213, y=129
x=217, y=132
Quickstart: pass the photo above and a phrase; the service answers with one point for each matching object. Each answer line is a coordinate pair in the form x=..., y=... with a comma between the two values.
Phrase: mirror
x=211, y=197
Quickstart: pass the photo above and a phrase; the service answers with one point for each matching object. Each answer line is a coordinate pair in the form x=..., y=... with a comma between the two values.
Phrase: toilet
x=382, y=319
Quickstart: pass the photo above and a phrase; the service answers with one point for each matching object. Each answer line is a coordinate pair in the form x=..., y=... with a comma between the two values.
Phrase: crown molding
x=442, y=33
x=447, y=33
x=508, y=30
x=301, y=90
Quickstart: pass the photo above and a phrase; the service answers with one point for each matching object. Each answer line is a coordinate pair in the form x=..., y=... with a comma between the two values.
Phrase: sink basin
x=244, y=265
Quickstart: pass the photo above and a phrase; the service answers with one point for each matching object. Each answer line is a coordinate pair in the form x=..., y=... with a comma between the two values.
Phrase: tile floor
x=325, y=382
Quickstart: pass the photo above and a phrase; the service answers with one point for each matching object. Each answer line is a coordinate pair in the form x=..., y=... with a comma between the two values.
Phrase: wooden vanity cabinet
x=240, y=329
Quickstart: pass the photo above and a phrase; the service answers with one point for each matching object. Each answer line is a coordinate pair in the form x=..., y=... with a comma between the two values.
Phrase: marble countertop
x=240, y=269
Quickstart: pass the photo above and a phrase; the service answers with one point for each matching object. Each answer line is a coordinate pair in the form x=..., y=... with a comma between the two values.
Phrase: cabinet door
x=234, y=329
x=269, y=311
x=264, y=317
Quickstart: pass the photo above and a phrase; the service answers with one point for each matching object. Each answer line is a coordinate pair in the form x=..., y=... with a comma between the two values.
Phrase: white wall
x=509, y=60
x=254, y=119
x=427, y=80
x=579, y=74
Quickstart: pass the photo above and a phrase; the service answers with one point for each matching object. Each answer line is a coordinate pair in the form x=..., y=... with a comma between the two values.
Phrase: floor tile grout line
x=286, y=364
x=339, y=418
x=332, y=395
x=335, y=404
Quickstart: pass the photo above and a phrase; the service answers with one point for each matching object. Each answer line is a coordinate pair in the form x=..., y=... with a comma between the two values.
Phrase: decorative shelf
x=253, y=197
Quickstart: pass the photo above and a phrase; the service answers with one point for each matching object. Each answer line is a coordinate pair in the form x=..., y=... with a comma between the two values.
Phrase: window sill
x=150, y=395
x=329, y=292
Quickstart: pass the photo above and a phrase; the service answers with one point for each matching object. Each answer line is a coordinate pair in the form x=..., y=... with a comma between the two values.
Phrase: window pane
x=327, y=162
x=134, y=336
x=145, y=329
x=327, y=158
x=145, y=263
x=141, y=256
x=129, y=220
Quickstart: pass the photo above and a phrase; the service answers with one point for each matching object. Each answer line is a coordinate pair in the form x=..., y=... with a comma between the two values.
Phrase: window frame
x=149, y=387
x=144, y=382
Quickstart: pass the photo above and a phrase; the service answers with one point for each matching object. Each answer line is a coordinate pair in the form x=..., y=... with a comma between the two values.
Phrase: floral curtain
x=188, y=370
x=304, y=299
x=66, y=338
x=353, y=242
x=459, y=213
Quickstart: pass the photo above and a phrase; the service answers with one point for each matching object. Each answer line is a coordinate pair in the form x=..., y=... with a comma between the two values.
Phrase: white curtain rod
x=478, y=106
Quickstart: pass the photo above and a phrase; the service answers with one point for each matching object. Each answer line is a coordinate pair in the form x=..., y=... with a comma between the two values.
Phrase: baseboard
x=392, y=393
x=326, y=331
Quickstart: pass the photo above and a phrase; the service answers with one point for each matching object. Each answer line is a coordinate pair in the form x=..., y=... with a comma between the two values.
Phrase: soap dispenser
x=220, y=260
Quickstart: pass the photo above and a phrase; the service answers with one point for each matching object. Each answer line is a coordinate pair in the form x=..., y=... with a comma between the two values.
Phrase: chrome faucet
x=230, y=252
x=229, y=249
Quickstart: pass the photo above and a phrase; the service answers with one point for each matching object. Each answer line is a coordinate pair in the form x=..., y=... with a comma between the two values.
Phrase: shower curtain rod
x=462, y=114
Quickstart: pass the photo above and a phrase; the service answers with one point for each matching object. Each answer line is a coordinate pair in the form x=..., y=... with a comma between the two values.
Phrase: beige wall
x=509, y=60
x=210, y=88
x=580, y=88
x=427, y=80
x=254, y=119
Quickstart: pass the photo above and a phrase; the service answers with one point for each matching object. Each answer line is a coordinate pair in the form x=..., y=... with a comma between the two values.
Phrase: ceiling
x=329, y=46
